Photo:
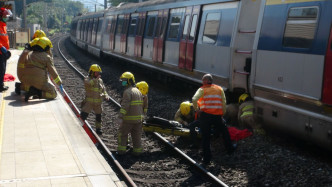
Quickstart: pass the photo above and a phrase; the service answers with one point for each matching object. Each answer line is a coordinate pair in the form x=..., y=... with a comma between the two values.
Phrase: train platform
x=42, y=143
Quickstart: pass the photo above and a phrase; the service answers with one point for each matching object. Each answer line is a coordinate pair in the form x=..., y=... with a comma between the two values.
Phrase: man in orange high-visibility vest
x=4, y=45
x=210, y=103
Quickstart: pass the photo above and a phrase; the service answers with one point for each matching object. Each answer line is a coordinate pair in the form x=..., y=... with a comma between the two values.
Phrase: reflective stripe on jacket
x=211, y=101
x=132, y=106
x=246, y=109
x=95, y=90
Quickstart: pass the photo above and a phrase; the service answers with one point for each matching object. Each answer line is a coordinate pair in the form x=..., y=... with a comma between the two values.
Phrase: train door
x=132, y=31
x=327, y=86
x=124, y=33
x=159, y=39
x=112, y=32
x=188, y=39
x=139, y=35
x=90, y=31
x=94, y=31
x=156, y=37
x=162, y=33
x=151, y=22
x=118, y=33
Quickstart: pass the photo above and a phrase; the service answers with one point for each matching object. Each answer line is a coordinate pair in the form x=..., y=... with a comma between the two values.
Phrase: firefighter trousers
x=135, y=129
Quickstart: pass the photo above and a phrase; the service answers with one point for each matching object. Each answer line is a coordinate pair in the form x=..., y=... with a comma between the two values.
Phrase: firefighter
x=37, y=67
x=95, y=93
x=4, y=45
x=143, y=87
x=131, y=115
x=210, y=103
x=246, y=112
x=185, y=114
x=23, y=57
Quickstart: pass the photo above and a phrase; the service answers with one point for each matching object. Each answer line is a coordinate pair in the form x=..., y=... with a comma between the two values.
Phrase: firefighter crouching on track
x=95, y=93
x=4, y=45
x=246, y=112
x=37, y=67
x=22, y=59
x=131, y=115
x=185, y=114
x=210, y=103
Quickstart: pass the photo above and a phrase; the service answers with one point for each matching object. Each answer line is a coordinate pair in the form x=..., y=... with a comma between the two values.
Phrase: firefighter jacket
x=185, y=118
x=36, y=69
x=246, y=109
x=131, y=106
x=210, y=98
x=3, y=36
x=95, y=90
x=22, y=63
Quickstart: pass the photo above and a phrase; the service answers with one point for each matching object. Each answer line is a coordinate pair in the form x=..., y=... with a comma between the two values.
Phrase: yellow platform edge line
x=1, y=122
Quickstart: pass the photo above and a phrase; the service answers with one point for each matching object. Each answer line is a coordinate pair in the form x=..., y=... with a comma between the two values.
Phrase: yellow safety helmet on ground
x=41, y=44
x=243, y=97
x=185, y=107
x=128, y=76
x=38, y=34
x=95, y=68
x=143, y=87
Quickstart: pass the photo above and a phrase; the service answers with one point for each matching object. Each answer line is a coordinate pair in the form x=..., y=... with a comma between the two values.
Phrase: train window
x=132, y=27
x=163, y=26
x=300, y=27
x=125, y=26
x=158, y=27
x=211, y=28
x=109, y=25
x=119, y=26
x=100, y=24
x=174, y=27
x=185, y=29
x=193, y=28
x=151, y=24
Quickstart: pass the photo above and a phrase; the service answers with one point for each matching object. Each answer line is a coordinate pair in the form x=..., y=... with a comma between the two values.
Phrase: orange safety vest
x=211, y=101
x=3, y=36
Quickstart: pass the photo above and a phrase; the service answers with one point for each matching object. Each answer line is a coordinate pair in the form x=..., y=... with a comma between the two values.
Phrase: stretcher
x=164, y=126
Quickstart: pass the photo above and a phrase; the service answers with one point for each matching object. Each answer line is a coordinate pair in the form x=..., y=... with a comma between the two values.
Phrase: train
x=278, y=51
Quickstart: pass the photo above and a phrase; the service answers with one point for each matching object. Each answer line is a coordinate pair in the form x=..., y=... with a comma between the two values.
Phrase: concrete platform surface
x=42, y=143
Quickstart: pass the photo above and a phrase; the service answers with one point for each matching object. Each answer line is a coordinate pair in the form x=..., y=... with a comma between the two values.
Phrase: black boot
x=18, y=88
x=99, y=132
x=32, y=92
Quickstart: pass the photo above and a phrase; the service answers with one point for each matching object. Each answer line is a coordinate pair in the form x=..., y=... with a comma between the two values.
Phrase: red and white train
x=279, y=51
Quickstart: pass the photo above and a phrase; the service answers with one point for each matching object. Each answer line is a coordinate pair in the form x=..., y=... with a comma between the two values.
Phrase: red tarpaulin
x=8, y=78
x=237, y=134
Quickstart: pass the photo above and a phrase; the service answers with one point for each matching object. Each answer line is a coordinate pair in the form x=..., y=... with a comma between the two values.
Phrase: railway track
x=256, y=162
x=209, y=177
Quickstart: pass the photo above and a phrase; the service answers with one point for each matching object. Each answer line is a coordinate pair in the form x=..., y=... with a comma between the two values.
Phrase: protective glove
x=8, y=55
x=119, y=121
x=61, y=88
x=3, y=50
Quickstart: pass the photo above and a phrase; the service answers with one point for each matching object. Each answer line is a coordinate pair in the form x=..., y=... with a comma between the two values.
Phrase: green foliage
x=58, y=13
x=117, y=2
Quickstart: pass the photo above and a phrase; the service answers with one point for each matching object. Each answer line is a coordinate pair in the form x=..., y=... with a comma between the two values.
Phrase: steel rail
x=87, y=127
x=214, y=179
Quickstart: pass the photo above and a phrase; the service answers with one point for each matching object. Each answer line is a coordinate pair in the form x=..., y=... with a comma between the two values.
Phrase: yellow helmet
x=38, y=34
x=44, y=43
x=129, y=76
x=95, y=68
x=185, y=107
x=143, y=87
x=243, y=97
